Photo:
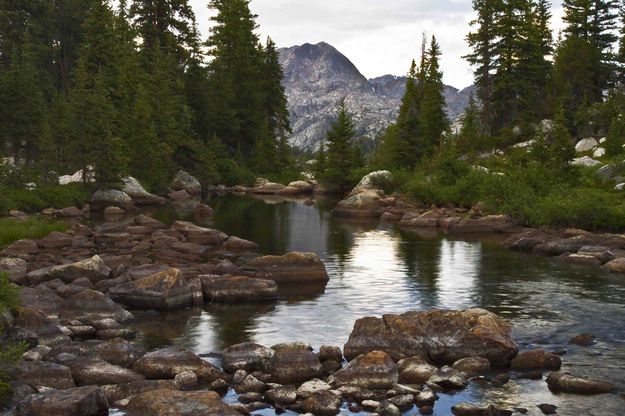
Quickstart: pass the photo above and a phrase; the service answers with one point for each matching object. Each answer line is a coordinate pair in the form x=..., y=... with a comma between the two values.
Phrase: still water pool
x=377, y=268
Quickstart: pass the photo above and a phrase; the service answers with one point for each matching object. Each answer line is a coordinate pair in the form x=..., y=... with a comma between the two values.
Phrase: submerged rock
x=237, y=289
x=292, y=268
x=536, y=360
x=443, y=336
x=568, y=383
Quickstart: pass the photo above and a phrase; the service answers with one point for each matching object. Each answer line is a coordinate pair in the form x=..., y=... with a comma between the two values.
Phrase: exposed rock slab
x=237, y=289
x=292, y=268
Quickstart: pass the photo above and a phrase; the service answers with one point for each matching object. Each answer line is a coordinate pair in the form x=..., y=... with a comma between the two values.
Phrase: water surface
x=377, y=268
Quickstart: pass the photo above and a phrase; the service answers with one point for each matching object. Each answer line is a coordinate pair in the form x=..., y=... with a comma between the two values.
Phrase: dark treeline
x=133, y=89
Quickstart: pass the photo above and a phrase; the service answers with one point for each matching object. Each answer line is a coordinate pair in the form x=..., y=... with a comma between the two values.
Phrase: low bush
x=12, y=230
x=9, y=353
x=46, y=196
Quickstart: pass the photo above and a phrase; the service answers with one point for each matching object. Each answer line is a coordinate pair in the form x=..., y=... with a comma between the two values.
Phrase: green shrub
x=12, y=230
x=9, y=294
x=46, y=196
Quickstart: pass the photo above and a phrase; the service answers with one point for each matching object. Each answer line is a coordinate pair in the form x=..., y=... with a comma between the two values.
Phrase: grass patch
x=9, y=353
x=12, y=230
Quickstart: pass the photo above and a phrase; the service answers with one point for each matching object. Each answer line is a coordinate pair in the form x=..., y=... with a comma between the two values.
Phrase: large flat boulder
x=167, y=363
x=120, y=352
x=80, y=401
x=166, y=290
x=42, y=299
x=568, y=383
x=91, y=305
x=33, y=323
x=93, y=269
x=237, y=289
x=178, y=403
x=292, y=268
x=442, y=336
x=95, y=371
x=42, y=374
x=200, y=235
x=294, y=365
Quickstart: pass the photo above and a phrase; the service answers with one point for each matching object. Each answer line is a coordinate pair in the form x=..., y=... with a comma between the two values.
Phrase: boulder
x=362, y=204
x=113, y=212
x=415, y=370
x=93, y=268
x=69, y=212
x=238, y=244
x=179, y=195
x=322, y=403
x=168, y=362
x=15, y=268
x=563, y=245
x=441, y=335
x=94, y=371
x=166, y=290
x=200, y=235
x=282, y=395
x=292, y=268
x=55, y=239
x=448, y=379
x=312, y=386
x=42, y=299
x=467, y=409
x=330, y=353
x=120, y=352
x=178, y=403
x=294, y=365
x=183, y=181
x=586, y=145
x=488, y=224
x=247, y=356
x=302, y=187
x=34, y=328
x=268, y=188
x=599, y=152
x=472, y=365
x=616, y=265
x=91, y=305
x=568, y=383
x=138, y=194
x=536, y=360
x=42, y=374
x=23, y=247
x=373, y=181
x=81, y=401
x=203, y=211
x=585, y=161
x=117, y=392
x=103, y=199
x=237, y=289
x=374, y=370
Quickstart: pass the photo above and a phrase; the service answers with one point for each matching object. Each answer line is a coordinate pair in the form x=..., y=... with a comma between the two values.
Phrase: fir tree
x=616, y=137
x=342, y=156
x=432, y=116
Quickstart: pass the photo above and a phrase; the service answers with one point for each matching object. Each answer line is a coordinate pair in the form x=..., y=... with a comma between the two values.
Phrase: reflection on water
x=376, y=269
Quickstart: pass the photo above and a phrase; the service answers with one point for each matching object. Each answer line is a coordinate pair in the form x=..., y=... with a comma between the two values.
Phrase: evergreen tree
x=342, y=156
x=555, y=150
x=482, y=42
x=616, y=137
x=468, y=140
x=433, y=118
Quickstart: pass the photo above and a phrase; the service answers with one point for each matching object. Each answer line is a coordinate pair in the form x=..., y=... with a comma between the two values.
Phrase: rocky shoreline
x=80, y=289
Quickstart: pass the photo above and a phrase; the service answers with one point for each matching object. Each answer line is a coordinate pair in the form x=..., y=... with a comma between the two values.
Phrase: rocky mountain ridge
x=317, y=77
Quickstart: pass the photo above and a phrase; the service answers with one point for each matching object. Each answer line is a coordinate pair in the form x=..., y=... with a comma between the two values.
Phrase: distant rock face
x=317, y=77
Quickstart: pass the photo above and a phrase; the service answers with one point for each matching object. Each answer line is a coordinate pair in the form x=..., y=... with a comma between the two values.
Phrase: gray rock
x=42, y=373
x=93, y=268
x=183, y=181
x=169, y=362
x=247, y=356
x=15, y=268
x=138, y=194
x=322, y=403
x=91, y=305
x=374, y=370
x=94, y=371
x=237, y=289
x=568, y=383
x=105, y=198
x=81, y=401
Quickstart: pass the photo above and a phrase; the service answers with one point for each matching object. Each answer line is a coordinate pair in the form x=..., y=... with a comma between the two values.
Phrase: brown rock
x=81, y=401
x=292, y=268
x=374, y=370
x=568, y=383
x=165, y=290
x=443, y=336
x=536, y=360
x=172, y=402
x=472, y=365
x=120, y=352
x=247, y=356
x=294, y=365
x=42, y=373
x=94, y=371
x=237, y=289
x=90, y=305
x=415, y=370
x=167, y=363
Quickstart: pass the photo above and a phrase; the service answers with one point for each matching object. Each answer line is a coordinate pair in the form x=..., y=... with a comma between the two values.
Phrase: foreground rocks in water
x=172, y=402
x=34, y=328
x=472, y=365
x=200, y=235
x=536, y=360
x=467, y=409
x=374, y=370
x=293, y=365
x=103, y=199
x=415, y=370
x=237, y=289
x=93, y=269
x=165, y=290
x=183, y=181
x=120, y=352
x=292, y=268
x=448, y=379
x=81, y=401
x=568, y=383
x=322, y=403
x=117, y=392
x=247, y=356
x=169, y=362
x=442, y=336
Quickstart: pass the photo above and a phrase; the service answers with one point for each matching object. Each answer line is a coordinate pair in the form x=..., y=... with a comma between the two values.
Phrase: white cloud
x=379, y=36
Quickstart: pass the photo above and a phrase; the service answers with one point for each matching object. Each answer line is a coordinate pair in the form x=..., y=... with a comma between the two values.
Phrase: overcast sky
x=379, y=36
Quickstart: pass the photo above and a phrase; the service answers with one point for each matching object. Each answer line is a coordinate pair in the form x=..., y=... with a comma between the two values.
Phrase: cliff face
x=317, y=77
